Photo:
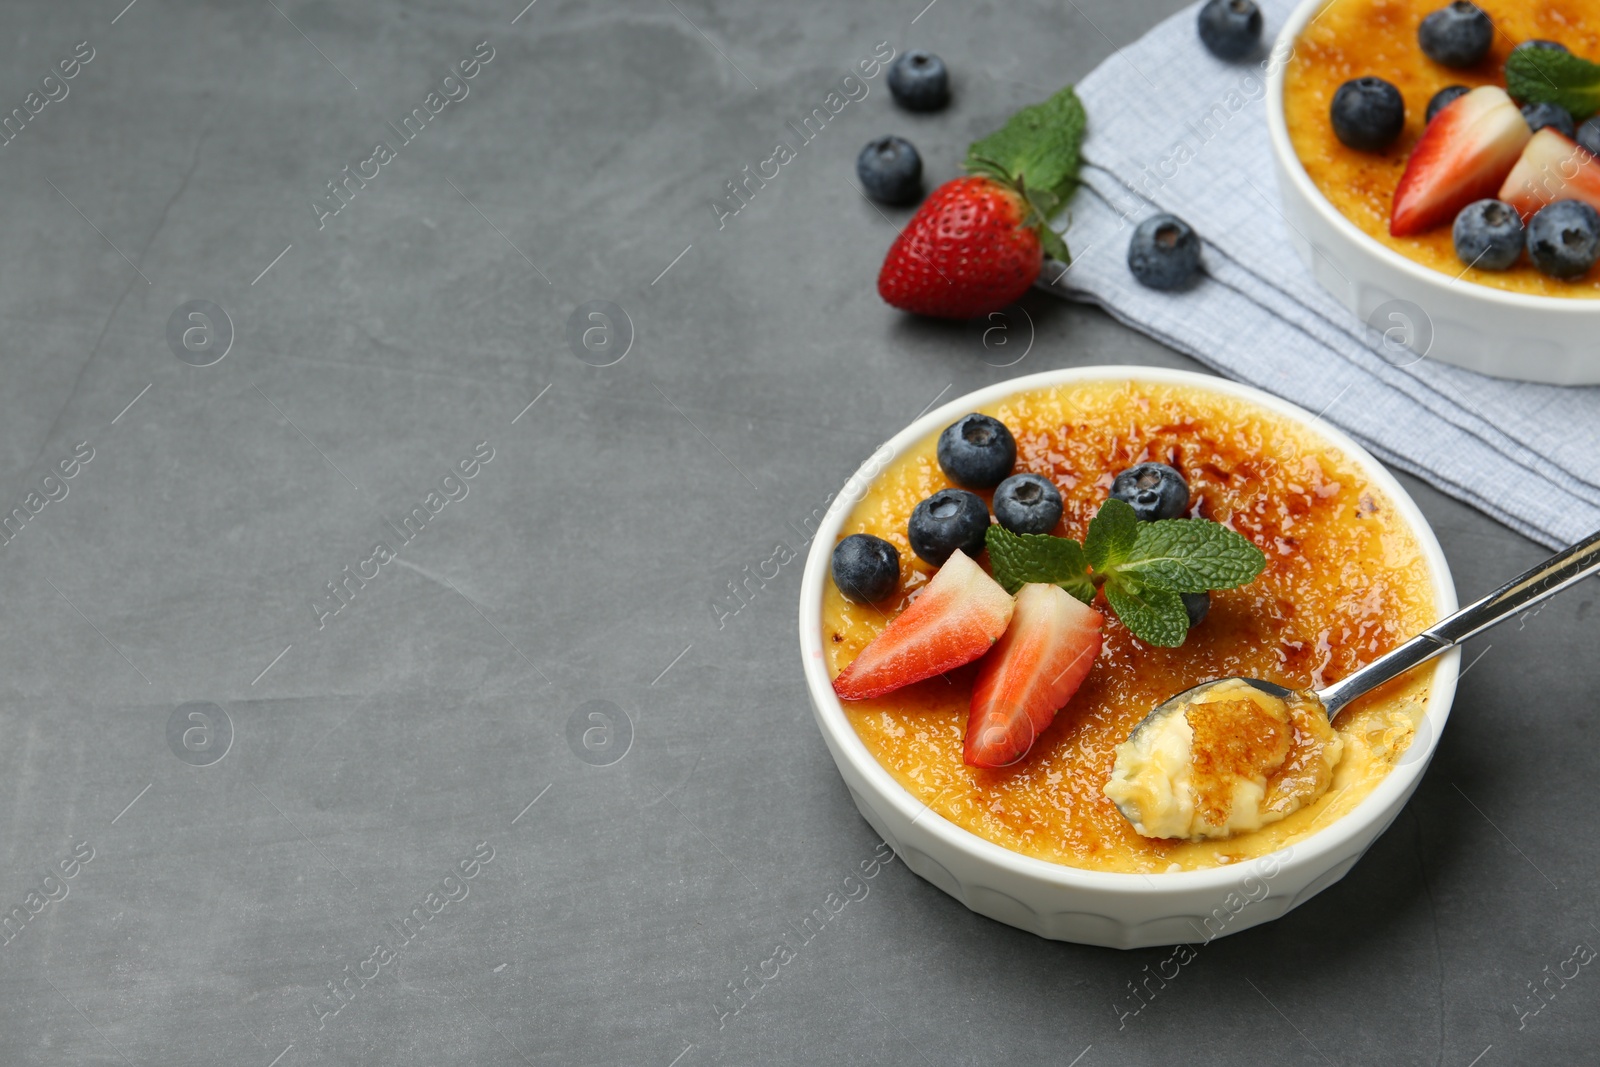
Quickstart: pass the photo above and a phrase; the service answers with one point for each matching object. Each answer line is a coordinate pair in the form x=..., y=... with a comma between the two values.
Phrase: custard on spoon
x=1224, y=758
x=1233, y=755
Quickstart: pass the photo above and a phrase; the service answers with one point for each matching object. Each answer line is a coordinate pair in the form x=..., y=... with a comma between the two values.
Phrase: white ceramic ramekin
x=1092, y=907
x=1508, y=335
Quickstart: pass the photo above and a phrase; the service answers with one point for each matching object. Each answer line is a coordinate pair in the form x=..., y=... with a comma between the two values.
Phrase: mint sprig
x=1021, y=559
x=1113, y=533
x=1037, y=153
x=1155, y=615
x=1143, y=567
x=1546, y=76
x=1190, y=556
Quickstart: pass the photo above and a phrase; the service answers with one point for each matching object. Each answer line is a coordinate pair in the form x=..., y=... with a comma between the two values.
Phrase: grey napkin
x=1171, y=128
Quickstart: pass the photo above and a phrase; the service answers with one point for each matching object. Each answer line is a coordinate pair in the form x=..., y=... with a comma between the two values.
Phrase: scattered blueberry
x=865, y=568
x=1537, y=42
x=890, y=170
x=1488, y=234
x=1164, y=253
x=1155, y=490
x=976, y=451
x=918, y=81
x=1444, y=96
x=1230, y=29
x=1553, y=115
x=1027, y=504
x=1196, y=604
x=1368, y=114
x=948, y=520
x=1564, y=238
x=1456, y=36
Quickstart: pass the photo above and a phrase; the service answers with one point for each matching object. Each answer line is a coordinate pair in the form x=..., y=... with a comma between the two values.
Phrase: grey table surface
x=368, y=753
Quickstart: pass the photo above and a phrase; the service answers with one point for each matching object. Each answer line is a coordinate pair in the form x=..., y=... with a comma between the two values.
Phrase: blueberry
x=1155, y=490
x=865, y=568
x=1588, y=135
x=1444, y=96
x=1368, y=114
x=1564, y=238
x=1164, y=253
x=890, y=170
x=1539, y=116
x=1488, y=234
x=948, y=520
x=1196, y=604
x=1027, y=504
x=918, y=81
x=1537, y=42
x=976, y=451
x=1230, y=29
x=1456, y=36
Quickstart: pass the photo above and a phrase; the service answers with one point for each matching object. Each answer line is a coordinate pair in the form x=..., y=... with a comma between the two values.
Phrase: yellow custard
x=1353, y=38
x=1345, y=581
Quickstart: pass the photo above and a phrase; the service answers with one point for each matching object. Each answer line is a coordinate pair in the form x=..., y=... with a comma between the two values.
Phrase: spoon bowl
x=1175, y=777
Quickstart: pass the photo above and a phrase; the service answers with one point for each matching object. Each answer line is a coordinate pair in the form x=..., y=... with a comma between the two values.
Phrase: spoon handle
x=1523, y=591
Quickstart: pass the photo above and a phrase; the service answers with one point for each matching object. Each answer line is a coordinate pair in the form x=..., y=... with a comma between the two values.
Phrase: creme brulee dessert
x=1366, y=39
x=1338, y=580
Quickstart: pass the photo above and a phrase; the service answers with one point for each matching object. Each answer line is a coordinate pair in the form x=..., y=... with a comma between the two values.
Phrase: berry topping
x=1230, y=29
x=1196, y=604
x=918, y=81
x=1564, y=238
x=1368, y=114
x=1155, y=490
x=1443, y=97
x=1464, y=155
x=890, y=170
x=1456, y=36
x=949, y=521
x=1045, y=655
x=1488, y=235
x=1558, y=118
x=1551, y=168
x=953, y=621
x=977, y=451
x=1027, y=504
x=865, y=568
x=1164, y=253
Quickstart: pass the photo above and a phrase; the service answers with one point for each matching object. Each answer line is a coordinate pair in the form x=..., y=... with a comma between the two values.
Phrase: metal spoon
x=1529, y=588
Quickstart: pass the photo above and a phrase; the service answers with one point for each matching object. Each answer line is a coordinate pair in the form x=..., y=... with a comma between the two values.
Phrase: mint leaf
x=1545, y=76
x=1037, y=151
x=1190, y=556
x=1018, y=559
x=1112, y=534
x=1154, y=614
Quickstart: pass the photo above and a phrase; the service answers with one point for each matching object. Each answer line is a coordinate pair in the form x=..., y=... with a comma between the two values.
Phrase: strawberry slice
x=1045, y=655
x=1552, y=167
x=1464, y=155
x=952, y=622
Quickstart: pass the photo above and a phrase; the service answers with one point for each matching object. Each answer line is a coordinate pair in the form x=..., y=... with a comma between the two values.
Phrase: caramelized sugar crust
x=1345, y=581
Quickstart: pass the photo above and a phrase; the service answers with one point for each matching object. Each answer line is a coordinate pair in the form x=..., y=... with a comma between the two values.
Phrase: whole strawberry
x=977, y=243
x=965, y=253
